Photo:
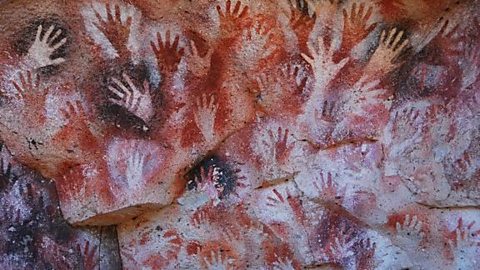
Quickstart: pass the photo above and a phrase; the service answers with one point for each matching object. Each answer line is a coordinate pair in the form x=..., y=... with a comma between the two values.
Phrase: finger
x=48, y=33
x=307, y=59
x=130, y=83
x=227, y=7
x=109, y=12
x=382, y=37
x=390, y=36
x=175, y=42
x=121, y=85
x=244, y=12
x=58, y=61
x=59, y=31
x=117, y=13
x=237, y=8
x=60, y=44
x=39, y=32
x=116, y=92
x=120, y=103
x=353, y=13
x=167, y=39
x=397, y=39
x=368, y=14
x=360, y=12
x=19, y=89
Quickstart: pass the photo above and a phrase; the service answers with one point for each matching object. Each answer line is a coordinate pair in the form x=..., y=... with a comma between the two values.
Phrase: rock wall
x=240, y=134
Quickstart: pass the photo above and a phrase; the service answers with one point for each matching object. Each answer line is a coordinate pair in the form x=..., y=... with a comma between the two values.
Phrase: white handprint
x=388, y=50
x=363, y=93
x=471, y=68
x=134, y=171
x=205, y=116
x=256, y=45
x=282, y=264
x=411, y=228
x=216, y=262
x=137, y=102
x=43, y=47
x=321, y=60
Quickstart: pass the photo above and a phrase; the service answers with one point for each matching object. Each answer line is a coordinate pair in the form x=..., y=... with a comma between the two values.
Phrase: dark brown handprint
x=168, y=54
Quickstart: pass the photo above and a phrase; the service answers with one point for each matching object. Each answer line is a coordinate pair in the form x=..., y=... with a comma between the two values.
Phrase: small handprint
x=471, y=68
x=410, y=228
x=74, y=111
x=134, y=170
x=326, y=113
x=133, y=100
x=324, y=9
x=7, y=177
x=342, y=245
x=28, y=86
x=205, y=115
x=170, y=242
x=280, y=204
x=278, y=143
x=283, y=264
x=297, y=74
x=199, y=65
x=256, y=45
x=89, y=256
x=168, y=53
x=218, y=262
x=384, y=59
x=465, y=237
x=229, y=20
x=355, y=24
x=328, y=190
x=324, y=68
x=116, y=31
x=364, y=92
x=405, y=124
x=200, y=217
x=43, y=48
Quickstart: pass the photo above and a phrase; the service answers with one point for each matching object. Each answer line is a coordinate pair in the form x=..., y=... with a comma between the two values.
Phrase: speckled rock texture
x=242, y=134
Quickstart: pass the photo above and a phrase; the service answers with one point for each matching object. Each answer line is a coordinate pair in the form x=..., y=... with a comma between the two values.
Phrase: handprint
x=355, y=25
x=283, y=264
x=134, y=170
x=7, y=177
x=326, y=113
x=170, y=242
x=256, y=45
x=229, y=20
x=328, y=190
x=390, y=47
x=199, y=65
x=464, y=245
x=296, y=74
x=74, y=111
x=364, y=92
x=129, y=97
x=324, y=68
x=168, y=54
x=116, y=31
x=88, y=256
x=324, y=9
x=471, y=68
x=205, y=115
x=279, y=204
x=218, y=262
x=405, y=124
x=200, y=217
x=342, y=246
x=278, y=143
x=410, y=228
x=28, y=87
x=42, y=49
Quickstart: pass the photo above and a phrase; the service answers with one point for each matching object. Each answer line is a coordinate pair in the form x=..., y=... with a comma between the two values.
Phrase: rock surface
x=227, y=134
